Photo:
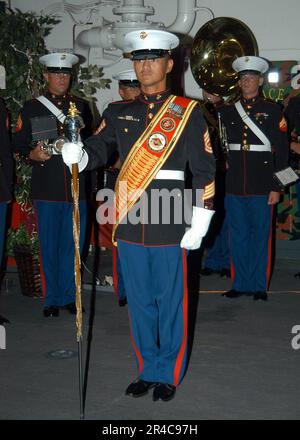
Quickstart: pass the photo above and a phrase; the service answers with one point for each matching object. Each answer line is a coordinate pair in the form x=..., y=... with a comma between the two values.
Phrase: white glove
x=200, y=222
x=74, y=153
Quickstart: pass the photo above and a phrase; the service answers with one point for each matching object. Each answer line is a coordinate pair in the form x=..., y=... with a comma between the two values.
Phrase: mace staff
x=72, y=126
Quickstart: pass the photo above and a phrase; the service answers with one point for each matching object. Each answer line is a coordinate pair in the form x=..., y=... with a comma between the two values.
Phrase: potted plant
x=22, y=244
x=22, y=241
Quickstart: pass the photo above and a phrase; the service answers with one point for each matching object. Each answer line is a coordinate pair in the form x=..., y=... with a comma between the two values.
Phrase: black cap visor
x=250, y=72
x=149, y=54
x=127, y=83
x=65, y=70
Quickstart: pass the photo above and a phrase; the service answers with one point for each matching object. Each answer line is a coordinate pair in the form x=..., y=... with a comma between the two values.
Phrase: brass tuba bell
x=216, y=45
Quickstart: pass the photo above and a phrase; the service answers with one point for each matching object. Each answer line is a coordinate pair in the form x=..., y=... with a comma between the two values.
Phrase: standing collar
x=56, y=97
x=154, y=97
x=251, y=100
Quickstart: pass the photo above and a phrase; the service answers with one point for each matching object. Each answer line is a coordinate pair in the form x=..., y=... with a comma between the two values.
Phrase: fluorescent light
x=273, y=77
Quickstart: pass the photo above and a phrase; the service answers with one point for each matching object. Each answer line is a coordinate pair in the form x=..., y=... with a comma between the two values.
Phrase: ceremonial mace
x=72, y=126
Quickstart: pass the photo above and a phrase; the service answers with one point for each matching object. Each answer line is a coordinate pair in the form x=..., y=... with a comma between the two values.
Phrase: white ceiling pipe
x=133, y=7
x=99, y=36
x=185, y=19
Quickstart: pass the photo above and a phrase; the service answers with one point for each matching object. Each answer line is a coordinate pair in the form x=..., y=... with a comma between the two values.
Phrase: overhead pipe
x=185, y=18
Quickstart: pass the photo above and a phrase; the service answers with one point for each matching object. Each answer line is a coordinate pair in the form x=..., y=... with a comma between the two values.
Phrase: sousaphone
x=216, y=45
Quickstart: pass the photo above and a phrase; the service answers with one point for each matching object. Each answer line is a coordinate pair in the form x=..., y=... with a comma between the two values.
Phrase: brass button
x=150, y=116
x=158, y=96
x=246, y=147
x=126, y=130
x=151, y=105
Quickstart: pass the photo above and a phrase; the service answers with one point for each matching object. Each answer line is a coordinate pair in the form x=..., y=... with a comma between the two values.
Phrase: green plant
x=88, y=81
x=21, y=239
x=22, y=37
x=23, y=170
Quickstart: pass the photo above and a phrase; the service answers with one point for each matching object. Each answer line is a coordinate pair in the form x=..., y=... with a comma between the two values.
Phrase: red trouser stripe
x=182, y=350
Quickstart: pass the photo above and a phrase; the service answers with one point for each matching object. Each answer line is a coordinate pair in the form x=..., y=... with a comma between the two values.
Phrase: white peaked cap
x=60, y=60
x=256, y=64
x=125, y=75
x=149, y=39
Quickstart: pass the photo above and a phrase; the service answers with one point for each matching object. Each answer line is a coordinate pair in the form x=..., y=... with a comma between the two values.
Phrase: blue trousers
x=3, y=210
x=155, y=282
x=55, y=230
x=250, y=236
x=119, y=286
x=218, y=256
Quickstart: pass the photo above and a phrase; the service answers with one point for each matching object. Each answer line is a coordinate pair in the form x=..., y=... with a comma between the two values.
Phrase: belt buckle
x=246, y=147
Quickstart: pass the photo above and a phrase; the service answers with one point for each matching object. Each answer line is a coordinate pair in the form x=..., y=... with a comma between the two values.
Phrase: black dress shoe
x=4, y=320
x=225, y=273
x=51, y=311
x=139, y=388
x=206, y=271
x=260, y=295
x=164, y=391
x=122, y=302
x=72, y=308
x=232, y=293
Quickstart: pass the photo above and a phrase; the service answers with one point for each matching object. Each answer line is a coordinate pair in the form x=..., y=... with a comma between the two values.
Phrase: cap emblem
x=143, y=35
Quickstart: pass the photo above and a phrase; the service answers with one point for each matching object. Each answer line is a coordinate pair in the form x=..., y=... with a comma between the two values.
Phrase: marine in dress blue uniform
x=51, y=184
x=153, y=252
x=251, y=191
